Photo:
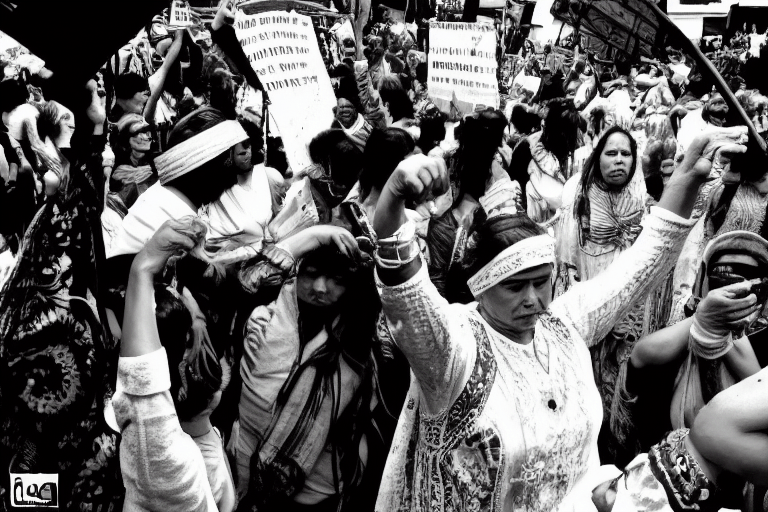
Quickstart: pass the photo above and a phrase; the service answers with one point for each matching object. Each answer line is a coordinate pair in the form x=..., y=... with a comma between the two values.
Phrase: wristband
x=707, y=344
x=399, y=249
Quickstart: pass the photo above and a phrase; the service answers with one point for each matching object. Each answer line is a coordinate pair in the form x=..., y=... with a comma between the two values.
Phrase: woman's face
x=346, y=113
x=616, y=160
x=317, y=289
x=241, y=156
x=141, y=138
x=514, y=305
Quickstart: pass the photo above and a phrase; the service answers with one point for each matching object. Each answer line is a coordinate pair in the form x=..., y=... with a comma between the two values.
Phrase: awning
x=640, y=29
x=631, y=28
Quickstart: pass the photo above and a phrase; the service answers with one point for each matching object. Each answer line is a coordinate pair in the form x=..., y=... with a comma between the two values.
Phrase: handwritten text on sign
x=282, y=49
x=462, y=62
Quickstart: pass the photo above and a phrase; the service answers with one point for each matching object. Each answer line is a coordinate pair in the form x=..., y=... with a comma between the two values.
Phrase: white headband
x=202, y=148
x=524, y=255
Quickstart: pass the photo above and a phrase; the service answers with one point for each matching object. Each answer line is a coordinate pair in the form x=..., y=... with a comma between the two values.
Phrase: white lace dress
x=519, y=430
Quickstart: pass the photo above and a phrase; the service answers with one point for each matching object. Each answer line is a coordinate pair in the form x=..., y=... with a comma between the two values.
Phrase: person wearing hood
x=689, y=373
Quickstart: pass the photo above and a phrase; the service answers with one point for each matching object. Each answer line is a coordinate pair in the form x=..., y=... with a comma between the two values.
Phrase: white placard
x=181, y=14
x=462, y=64
x=282, y=49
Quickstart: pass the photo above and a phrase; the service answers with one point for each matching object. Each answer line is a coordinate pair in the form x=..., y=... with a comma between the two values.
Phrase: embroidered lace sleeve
x=435, y=337
x=594, y=306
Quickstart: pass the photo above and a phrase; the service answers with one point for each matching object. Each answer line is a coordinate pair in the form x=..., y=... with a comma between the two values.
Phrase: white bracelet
x=388, y=251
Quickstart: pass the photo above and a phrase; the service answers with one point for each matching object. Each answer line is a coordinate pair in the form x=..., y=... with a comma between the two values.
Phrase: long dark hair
x=560, y=135
x=196, y=372
x=351, y=340
x=591, y=175
x=480, y=138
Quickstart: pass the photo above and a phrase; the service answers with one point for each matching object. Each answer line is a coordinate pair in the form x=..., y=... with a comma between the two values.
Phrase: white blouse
x=490, y=424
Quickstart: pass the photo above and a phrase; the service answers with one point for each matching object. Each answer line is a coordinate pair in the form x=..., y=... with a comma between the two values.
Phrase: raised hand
x=173, y=238
x=720, y=143
x=224, y=15
x=317, y=236
x=728, y=308
x=419, y=178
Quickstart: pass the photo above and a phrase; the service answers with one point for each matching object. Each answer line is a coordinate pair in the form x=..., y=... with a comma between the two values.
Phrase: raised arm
x=140, y=334
x=663, y=346
x=162, y=74
x=161, y=464
x=707, y=333
x=223, y=34
x=437, y=341
x=593, y=307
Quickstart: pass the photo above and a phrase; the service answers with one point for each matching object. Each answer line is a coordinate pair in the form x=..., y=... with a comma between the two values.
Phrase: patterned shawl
x=58, y=363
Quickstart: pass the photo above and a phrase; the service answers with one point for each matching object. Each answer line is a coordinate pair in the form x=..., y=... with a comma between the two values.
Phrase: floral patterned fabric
x=58, y=364
x=686, y=485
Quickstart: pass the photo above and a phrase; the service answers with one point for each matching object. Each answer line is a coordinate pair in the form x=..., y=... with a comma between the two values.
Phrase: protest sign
x=462, y=65
x=282, y=49
x=181, y=15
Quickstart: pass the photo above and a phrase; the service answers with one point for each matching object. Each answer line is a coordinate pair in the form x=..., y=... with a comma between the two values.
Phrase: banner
x=462, y=66
x=282, y=49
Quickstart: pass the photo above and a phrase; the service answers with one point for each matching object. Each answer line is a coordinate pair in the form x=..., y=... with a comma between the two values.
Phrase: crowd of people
x=554, y=305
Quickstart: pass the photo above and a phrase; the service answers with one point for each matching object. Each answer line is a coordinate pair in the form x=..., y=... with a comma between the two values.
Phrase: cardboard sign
x=282, y=49
x=462, y=66
x=181, y=15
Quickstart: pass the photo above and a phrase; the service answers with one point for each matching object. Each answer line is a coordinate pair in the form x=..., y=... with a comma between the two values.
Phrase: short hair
x=561, y=130
x=524, y=120
x=432, y=130
x=12, y=94
x=384, y=150
x=422, y=72
x=392, y=92
x=222, y=92
x=347, y=89
x=479, y=139
x=338, y=154
x=128, y=84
